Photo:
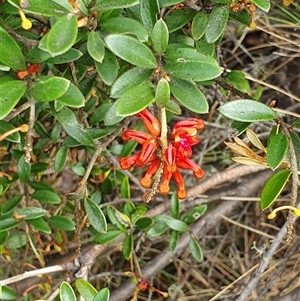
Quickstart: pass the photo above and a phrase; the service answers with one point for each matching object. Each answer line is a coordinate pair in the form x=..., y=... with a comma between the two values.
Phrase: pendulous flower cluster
x=177, y=154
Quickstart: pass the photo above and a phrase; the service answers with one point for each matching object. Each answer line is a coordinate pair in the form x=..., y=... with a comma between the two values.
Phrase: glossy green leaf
x=69, y=56
x=62, y=223
x=144, y=223
x=121, y=25
x=66, y=292
x=111, y=116
x=296, y=144
x=177, y=225
x=262, y=4
x=135, y=100
x=238, y=80
x=103, y=5
x=194, y=213
x=11, y=54
x=138, y=213
x=216, y=23
x=69, y=122
x=199, y=25
x=173, y=107
x=7, y=293
x=9, y=204
x=85, y=289
x=46, y=196
x=111, y=235
x=160, y=225
x=24, y=169
x=5, y=127
x=95, y=215
x=108, y=69
x=127, y=246
x=8, y=223
x=28, y=213
x=60, y=159
x=178, y=18
x=273, y=188
x=241, y=126
x=73, y=97
x=241, y=16
x=3, y=237
x=10, y=94
x=16, y=241
x=276, y=150
x=95, y=46
x=173, y=240
x=61, y=36
x=131, y=50
x=162, y=93
x=125, y=188
x=129, y=79
x=41, y=186
x=148, y=11
x=296, y=123
x=160, y=37
x=164, y=3
x=175, y=206
x=247, y=110
x=129, y=208
x=41, y=7
x=189, y=96
x=48, y=88
x=205, y=48
x=103, y=295
x=37, y=55
x=195, y=249
x=41, y=225
x=115, y=217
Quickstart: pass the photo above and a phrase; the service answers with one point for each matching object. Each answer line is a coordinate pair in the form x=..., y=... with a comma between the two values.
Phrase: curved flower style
x=177, y=154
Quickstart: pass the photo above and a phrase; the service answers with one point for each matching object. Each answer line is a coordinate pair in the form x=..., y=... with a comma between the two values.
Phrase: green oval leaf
x=296, y=143
x=121, y=25
x=62, y=223
x=195, y=249
x=273, y=188
x=66, y=292
x=95, y=215
x=129, y=79
x=9, y=204
x=144, y=223
x=131, y=50
x=15, y=242
x=160, y=225
x=5, y=127
x=111, y=116
x=216, y=23
x=177, y=225
x=61, y=36
x=86, y=290
x=131, y=102
x=138, y=213
x=69, y=56
x=8, y=293
x=29, y=213
x=24, y=169
x=160, y=37
x=3, y=237
x=95, y=46
x=41, y=225
x=69, y=122
x=193, y=214
x=103, y=5
x=46, y=196
x=103, y=295
x=10, y=94
x=262, y=4
x=162, y=93
x=125, y=188
x=8, y=223
x=60, y=159
x=247, y=110
x=175, y=206
x=127, y=246
x=189, y=96
x=48, y=88
x=277, y=149
x=173, y=240
x=73, y=97
x=199, y=25
x=11, y=54
x=111, y=235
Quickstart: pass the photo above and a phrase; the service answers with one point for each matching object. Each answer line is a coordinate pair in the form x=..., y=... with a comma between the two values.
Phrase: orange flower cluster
x=177, y=155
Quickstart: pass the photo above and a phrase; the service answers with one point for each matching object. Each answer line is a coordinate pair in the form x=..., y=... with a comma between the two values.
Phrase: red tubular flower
x=186, y=163
x=150, y=122
x=164, y=187
x=139, y=137
x=195, y=123
x=181, y=192
x=184, y=144
x=127, y=162
x=146, y=181
x=148, y=149
x=170, y=157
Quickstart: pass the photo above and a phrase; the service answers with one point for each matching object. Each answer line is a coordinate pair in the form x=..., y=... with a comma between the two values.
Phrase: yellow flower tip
x=252, y=25
x=23, y=128
x=274, y=212
x=26, y=23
